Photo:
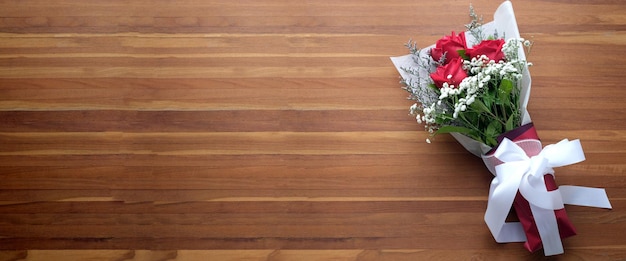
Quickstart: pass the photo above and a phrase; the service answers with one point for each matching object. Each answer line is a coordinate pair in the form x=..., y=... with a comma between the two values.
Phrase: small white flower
x=470, y=100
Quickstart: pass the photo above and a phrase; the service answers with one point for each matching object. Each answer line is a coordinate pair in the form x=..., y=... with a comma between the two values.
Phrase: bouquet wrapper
x=523, y=170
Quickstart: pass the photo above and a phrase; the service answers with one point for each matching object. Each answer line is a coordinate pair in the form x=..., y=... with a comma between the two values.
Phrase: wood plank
x=277, y=130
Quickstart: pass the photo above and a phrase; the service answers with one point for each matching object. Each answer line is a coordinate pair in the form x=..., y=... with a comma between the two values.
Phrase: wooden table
x=277, y=130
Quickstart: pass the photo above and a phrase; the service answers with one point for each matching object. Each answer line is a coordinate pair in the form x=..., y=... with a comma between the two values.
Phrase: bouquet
x=475, y=85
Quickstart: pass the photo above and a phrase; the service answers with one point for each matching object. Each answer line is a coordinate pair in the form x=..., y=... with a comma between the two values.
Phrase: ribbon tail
x=501, y=196
x=546, y=223
x=495, y=215
x=585, y=196
x=511, y=232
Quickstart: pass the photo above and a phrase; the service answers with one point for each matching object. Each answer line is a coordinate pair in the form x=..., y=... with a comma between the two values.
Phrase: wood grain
x=277, y=130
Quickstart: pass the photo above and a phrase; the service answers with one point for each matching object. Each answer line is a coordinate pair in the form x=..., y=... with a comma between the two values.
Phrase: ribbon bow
x=526, y=174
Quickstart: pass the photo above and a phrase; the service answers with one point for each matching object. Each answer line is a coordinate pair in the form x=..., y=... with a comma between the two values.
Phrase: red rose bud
x=490, y=48
x=448, y=45
x=451, y=73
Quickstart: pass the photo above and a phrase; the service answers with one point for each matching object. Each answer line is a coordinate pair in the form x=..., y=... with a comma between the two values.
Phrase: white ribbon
x=526, y=174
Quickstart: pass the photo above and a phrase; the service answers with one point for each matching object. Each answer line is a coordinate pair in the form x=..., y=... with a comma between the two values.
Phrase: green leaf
x=448, y=129
x=463, y=55
x=504, y=91
x=479, y=106
x=493, y=129
x=506, y=86
x=489, y=97
x=510, y=123
x=470, y=116
x=491, y=142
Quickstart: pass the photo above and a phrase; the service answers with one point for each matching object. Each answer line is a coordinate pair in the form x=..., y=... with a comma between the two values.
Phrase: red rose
x=448, y=45
x=452, y=73
x=491, y=48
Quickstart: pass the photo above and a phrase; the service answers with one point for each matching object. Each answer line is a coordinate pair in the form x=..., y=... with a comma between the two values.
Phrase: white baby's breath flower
x=470, y=100
x=527, y=43
x=414, y=109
